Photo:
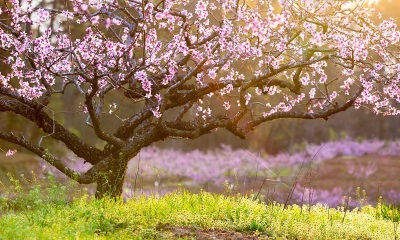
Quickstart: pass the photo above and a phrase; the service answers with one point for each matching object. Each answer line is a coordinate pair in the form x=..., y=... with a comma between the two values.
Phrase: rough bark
x=110, y=181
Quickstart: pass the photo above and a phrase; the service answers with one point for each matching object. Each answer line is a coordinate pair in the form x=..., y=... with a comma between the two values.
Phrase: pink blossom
x=312, y=93
x=84, y=7
x=227, y=105
x=43, y=15
x=108, y=23
x=247, y=97
x=212, y=74
x=11, y=152
x=156, y=112
x=201, y=9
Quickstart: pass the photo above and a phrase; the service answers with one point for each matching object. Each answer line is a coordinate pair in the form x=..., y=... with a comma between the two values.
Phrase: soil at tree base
x=203, y=234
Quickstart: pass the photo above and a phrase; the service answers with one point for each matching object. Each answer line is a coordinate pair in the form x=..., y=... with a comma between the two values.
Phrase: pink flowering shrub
x=392, y=149
x=309, y=196
x=216, y=166
x=392, y=196
x=343, y=147
x=223, y=163
x=361, y=170
x=197, y=168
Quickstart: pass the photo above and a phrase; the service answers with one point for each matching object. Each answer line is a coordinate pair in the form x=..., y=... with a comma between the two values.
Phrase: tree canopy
x=182, y=69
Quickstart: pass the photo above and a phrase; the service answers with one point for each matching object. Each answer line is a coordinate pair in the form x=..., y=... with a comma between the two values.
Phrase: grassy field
x=49, y=213
x=41, y=207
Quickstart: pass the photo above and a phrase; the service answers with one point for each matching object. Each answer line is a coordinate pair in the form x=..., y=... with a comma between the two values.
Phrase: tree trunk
x=110, y=181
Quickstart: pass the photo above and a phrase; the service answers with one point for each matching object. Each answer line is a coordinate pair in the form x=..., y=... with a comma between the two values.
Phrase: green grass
x=47, y=213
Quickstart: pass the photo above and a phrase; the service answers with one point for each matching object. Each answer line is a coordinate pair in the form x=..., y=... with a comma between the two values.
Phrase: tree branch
x=10, y=137
x=303, y=115
x=56, y=131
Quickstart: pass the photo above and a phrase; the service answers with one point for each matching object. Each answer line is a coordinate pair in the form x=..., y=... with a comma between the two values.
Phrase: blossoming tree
x=188, y=68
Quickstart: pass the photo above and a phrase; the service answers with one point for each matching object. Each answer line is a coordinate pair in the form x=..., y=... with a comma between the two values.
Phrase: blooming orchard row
x=197, y=168
x=215, y=166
